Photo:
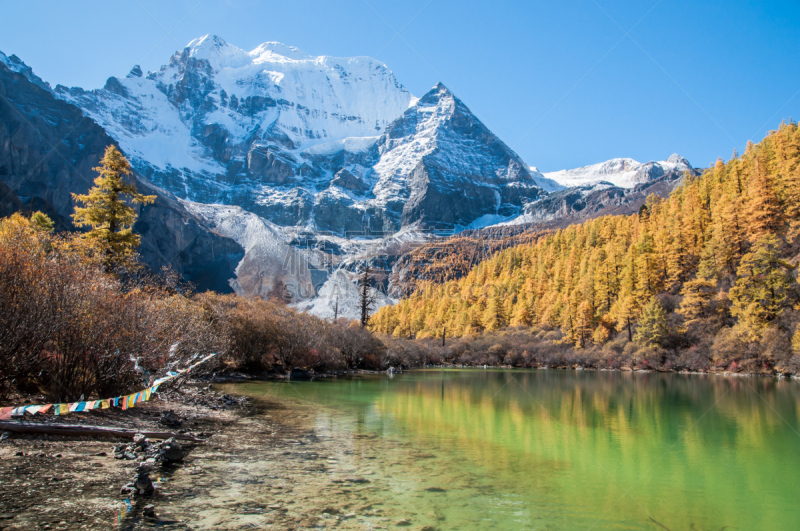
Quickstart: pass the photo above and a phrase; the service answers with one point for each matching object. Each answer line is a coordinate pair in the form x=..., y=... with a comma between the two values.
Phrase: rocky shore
x=55, y=482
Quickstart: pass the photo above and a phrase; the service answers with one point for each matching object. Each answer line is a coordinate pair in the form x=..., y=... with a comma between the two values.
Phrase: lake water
x=549, y=449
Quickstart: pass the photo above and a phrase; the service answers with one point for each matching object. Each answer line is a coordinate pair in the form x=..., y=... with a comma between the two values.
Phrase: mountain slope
x=47, y=151
x=722, y=243
x=450, y=167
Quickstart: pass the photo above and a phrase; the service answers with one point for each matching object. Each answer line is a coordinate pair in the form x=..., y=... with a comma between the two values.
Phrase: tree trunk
x=78, y=430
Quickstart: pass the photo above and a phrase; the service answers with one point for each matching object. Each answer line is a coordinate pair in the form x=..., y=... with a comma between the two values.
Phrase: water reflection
x=562, y=450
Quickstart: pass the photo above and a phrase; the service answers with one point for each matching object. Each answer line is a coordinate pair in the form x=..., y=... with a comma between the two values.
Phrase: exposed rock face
x=47, y=151
x=345, y=179
x=450, y=169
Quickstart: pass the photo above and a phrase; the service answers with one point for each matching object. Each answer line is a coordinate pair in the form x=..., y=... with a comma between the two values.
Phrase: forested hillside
x=454, y=257
x=714, y=264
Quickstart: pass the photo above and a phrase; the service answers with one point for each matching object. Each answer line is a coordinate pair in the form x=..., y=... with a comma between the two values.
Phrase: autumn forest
x=703, y=279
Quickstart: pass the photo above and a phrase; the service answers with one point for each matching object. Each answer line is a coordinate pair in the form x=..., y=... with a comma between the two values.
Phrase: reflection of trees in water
x=703, y=442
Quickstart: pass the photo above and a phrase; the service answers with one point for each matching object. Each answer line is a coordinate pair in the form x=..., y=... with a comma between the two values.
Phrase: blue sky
x=564, y=83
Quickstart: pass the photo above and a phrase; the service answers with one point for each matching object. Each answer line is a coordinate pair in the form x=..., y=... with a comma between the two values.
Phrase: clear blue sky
x=565, y=83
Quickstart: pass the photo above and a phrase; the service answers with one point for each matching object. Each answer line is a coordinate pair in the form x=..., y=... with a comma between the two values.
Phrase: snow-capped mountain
x=449, y=167
x=331, y=144
x=624, y=173
x=217, y=119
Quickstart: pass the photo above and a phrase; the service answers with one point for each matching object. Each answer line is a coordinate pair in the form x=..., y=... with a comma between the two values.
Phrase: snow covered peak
x=220, y=54
x=449, y=165
x=678, y=160
x=215, y=50
x=622, y=172
x=213, y=102
x=438, y=95
x=202, y=46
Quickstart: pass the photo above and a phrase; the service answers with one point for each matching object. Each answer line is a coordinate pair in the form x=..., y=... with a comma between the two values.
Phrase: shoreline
x=272, y=377
x=77, y=482
x=71, y=482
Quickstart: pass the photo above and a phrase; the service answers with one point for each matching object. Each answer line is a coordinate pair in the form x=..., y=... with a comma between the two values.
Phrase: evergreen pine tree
x=762, y=288
x=42, y=221
x=764, y=212
x=651, y=330
x=494, y=316
x=106, y=212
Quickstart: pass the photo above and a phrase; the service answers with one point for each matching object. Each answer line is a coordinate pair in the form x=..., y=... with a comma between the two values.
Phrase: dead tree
x=367, y=297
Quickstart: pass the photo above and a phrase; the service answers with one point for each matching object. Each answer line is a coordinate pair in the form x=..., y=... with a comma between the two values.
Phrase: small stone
x=330, y=510
x=357, y=480
x=101, y=454
x=19, y=454
x=171, y=451
x=140, y=440
x=169, y=418
x=435, y=489
x=149, y=510
x=403, y=523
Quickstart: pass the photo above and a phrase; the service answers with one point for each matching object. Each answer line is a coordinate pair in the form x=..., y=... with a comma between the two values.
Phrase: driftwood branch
x=96, y=431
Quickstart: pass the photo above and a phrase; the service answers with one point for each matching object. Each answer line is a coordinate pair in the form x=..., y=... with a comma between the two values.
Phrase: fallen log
x=96, y=431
